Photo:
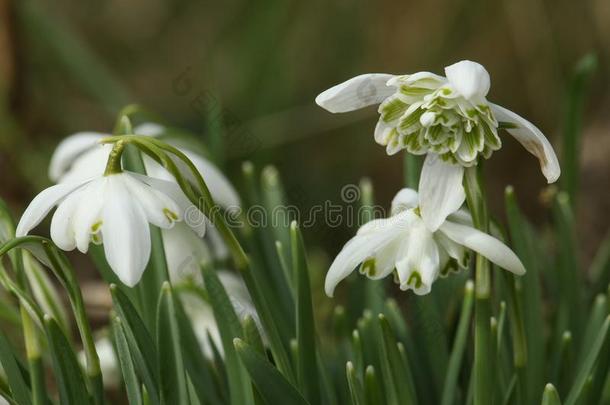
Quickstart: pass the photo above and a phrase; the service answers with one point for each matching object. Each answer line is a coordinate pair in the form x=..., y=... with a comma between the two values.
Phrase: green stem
x=114, y=159
x=483, y=366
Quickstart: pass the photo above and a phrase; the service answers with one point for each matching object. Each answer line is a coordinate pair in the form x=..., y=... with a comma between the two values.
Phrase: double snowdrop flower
x=115, y=209
x=448, y=118
x=403, y=244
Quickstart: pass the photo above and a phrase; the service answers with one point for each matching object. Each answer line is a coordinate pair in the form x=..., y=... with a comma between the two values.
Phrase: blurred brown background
x=70, y=65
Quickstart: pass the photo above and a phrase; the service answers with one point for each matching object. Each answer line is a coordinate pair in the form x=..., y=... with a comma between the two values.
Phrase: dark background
x=68, y=66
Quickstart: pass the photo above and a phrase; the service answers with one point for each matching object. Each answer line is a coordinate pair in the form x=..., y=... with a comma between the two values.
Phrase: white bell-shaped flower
x=403, y=244
x=115, y=210
x=446, y=117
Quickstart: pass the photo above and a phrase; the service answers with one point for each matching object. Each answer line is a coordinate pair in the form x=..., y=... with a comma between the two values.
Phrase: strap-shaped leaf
x=172, y=375
x=272, y=386
x=230, y=328
x=140, y=343
x=68, y=374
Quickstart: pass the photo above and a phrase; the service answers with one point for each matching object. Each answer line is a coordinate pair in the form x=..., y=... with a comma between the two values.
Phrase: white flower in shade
x=446, y=117
x=202, y=316
x=405, y=246
x=114, y=210
x=81, y=156
x=109, y=364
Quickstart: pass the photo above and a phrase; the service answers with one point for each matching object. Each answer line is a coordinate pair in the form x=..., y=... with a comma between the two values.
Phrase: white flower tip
x=355, y=93
x=469, y=78
x=329, y=287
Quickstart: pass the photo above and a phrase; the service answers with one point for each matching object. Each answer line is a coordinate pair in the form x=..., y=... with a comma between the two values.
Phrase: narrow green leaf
x=252, y=336
x=13, y=370
x=599, y=271
x=571, y=310
x=229, y=327
x=141, y=344
x=587, y=367
x=308, y=376
x=395, y=371
x=372, y=387
x=459, y=345
x=354, y=384
x=68, y=374
x=132, y=384
x=198, y=367
x=528, y=343
x=573, y=123
x=171, y=365
x=272, y=386
x=550, y=396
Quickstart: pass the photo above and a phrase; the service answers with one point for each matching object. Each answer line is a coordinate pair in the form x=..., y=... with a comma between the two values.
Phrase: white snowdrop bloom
x=403, y=244
x=446, y=117
x=81, y=156
x=115, y=210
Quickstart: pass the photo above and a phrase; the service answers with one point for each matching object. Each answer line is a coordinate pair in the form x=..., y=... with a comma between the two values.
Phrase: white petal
x=42, y=204
x=221, y=189
x=184, y=252
x=69, y=149
x=440, y=190
x=160, y=209
x=405, y=199
x=191, y=214
x=62, y=232
x=532, y=140
x=400, y=220
x=149, y=129
x=217, y=244
x=484, y=244
x=90, y=164
x=420, y=265
x=382, y=132
x=358, y=92
x=469, y=78
x=355, y=251
x=87, y=218
x=126, y=233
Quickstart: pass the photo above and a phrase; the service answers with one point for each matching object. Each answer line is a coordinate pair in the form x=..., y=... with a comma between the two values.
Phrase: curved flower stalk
x=448, y=118
x=403, y=244
x=81, y=156
x=114, y=209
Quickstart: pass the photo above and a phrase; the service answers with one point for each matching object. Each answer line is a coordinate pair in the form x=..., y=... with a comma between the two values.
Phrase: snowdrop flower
x=446, y=117
x=113, y=209
x=81, y=156
x=405, y=245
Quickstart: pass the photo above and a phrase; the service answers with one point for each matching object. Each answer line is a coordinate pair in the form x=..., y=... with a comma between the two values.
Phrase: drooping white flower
x=446, y=117
x=80, y=157
x=403, y=244
x=115, y=210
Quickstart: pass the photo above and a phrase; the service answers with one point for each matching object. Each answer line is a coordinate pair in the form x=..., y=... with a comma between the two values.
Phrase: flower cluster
x=448, y=119
x=115, y=209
